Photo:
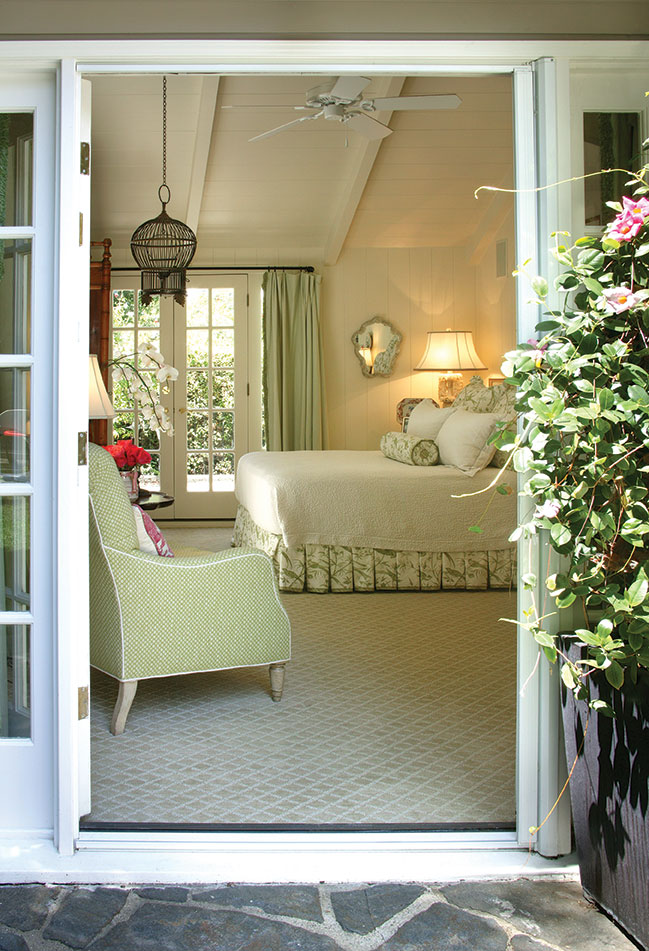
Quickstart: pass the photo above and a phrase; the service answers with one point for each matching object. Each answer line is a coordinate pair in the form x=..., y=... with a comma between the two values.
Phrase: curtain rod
x=238, y=267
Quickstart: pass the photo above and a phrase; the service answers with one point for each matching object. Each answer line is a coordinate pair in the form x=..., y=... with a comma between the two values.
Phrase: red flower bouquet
x=127, y=456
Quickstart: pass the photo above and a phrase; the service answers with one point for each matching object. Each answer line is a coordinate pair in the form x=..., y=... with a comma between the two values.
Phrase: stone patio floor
x=520, y=915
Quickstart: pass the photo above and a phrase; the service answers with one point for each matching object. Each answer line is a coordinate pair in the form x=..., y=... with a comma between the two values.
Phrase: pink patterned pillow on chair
x=149, y=536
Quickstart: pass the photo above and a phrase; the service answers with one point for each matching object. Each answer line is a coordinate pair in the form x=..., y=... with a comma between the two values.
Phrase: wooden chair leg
x=125, y=697
x=277, y=672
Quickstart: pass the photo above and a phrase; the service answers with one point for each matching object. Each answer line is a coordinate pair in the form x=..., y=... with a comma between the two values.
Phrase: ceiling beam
x=356, y=185
x=205, y=124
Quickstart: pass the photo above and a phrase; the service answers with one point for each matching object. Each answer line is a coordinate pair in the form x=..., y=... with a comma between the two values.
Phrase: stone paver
x=445, y=928
x=26, y=907
x=183, y=928
x=364, y=909
x=12, y=942
x=296, y=901
x=554, y=911
x=520, y=915
x=84, y=914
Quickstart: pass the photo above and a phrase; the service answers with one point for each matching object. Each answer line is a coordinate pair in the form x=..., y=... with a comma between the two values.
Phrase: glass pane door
x=210, y=423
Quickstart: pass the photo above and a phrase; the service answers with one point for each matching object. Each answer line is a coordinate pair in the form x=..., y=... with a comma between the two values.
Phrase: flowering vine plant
x=127, y=456
x=129, y=368
x=583, y=395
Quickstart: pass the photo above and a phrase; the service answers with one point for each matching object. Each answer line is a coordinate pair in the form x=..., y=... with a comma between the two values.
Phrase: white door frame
x=377, y=856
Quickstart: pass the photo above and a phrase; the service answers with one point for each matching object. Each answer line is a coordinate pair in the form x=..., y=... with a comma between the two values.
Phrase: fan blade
x=349, y=88
x=261, y=107
x=280, y=128
x=366, y=125
x=417, y=102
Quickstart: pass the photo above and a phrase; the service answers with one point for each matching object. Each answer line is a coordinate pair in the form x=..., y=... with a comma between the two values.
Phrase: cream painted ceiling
x=315, y=186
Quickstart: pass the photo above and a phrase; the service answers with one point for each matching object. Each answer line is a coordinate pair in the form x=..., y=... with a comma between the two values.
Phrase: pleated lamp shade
x=99, y=404
x=450, y=350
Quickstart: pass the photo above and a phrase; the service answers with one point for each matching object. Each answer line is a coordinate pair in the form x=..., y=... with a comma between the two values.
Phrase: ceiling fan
x=341, y=100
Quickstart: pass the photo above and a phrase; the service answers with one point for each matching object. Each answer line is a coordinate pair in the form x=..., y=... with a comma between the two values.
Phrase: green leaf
x=637, y=592
x=540, y=286
x=529, y=580
x=594, y=286
x=560, y=534
x=601, y=706
x=606, y=399
x=568, y=676
x=476, y=529
x=503, y=490
x=615, y=674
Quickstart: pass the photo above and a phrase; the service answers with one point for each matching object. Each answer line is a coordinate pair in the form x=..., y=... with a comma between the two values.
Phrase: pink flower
x=617, y=300
x=625, y=226
x=538, y=353
x=549, y=509
x=636, y=206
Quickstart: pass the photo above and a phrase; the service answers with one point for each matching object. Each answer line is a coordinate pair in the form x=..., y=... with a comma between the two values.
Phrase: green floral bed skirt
x=323, y=568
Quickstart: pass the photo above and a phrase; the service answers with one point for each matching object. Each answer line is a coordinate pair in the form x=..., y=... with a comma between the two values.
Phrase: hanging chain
x=164, y=130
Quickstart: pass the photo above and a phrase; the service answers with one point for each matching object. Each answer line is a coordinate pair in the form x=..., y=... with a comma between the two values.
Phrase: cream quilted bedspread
x=363, y=499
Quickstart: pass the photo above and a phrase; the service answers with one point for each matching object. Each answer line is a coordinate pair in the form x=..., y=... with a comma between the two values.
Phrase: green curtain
x=293, y=378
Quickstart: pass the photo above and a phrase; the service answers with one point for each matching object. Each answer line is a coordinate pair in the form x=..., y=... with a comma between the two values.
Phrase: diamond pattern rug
x=398, y=708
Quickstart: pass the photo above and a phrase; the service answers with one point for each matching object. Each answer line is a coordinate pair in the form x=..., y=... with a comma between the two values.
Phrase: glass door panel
x=211, y=395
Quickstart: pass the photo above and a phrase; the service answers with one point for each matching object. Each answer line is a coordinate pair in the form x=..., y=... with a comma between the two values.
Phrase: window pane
x=198, y=314
x=123, y=427
x=611, y=140
x=223, y=472
x=14, y=425
x=198, y=472
x=150, y=474
x=223, y=306
x=14, y=564
x=16, y=140
x=223, y=430
x=223, y=389
x=197, y=389
x=152, y=339
x=197, y=344
x=148, y=315
x=14, y=681
x=15, y=295
x=223, y=348
x=123, y=343
x=123, y=308
x=197, y=431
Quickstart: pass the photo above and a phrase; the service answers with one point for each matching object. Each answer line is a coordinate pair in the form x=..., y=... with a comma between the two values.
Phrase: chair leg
x=125, y=697
x=277, y=672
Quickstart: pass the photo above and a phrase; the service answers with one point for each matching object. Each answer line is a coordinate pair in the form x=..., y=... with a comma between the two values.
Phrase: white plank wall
x=417, y=289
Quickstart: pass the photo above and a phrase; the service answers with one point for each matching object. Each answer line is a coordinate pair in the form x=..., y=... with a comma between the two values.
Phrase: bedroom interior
x=382, y=720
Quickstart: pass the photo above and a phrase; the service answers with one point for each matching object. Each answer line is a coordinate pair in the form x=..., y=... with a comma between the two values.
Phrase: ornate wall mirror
x=376, y=344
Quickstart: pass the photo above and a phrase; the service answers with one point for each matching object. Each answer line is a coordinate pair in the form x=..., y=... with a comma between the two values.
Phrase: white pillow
x=463, y=440
x=426, y=419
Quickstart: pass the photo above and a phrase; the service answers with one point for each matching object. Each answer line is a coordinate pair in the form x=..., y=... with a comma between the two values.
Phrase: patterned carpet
x=398, y=708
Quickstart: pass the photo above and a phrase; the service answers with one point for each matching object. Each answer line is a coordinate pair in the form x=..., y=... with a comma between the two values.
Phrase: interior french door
x=210, y=395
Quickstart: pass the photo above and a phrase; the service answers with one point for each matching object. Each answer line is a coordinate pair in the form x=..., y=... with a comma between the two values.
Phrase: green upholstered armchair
x=152, y=616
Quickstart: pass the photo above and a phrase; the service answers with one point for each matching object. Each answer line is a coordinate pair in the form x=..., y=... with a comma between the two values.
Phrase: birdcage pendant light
x=163, y=247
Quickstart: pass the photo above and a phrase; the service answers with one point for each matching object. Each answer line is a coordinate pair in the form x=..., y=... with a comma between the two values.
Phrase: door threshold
x=268, y=827
x=121, y=858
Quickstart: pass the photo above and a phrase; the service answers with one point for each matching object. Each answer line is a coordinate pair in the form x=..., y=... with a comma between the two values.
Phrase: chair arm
x=203, y=612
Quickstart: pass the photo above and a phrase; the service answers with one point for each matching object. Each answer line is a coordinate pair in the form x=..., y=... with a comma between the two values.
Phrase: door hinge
x=82, y=449
x=84, y=703
x=85, y=158
x=247, y=300
x=247, y=389
x=80, y=228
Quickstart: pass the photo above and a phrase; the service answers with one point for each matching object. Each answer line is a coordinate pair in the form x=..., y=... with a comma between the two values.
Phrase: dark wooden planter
x=609, y=793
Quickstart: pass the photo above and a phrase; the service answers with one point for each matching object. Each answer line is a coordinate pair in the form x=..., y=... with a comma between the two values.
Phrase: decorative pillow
x=413, y=450
x=475, y=397
x=149, y=536
x=427, y=419
x=463, y=441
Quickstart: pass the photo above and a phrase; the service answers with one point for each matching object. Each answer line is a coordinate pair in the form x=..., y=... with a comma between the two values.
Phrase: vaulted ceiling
x=316, y=185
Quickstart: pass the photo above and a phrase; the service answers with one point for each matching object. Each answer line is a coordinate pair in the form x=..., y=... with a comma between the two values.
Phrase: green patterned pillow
x=413, y=450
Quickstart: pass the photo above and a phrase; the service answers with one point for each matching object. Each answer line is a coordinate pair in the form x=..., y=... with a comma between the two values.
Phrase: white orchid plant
x=129, y=368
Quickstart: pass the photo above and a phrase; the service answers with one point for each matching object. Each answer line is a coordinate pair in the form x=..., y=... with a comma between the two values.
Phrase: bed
x=343, y=520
